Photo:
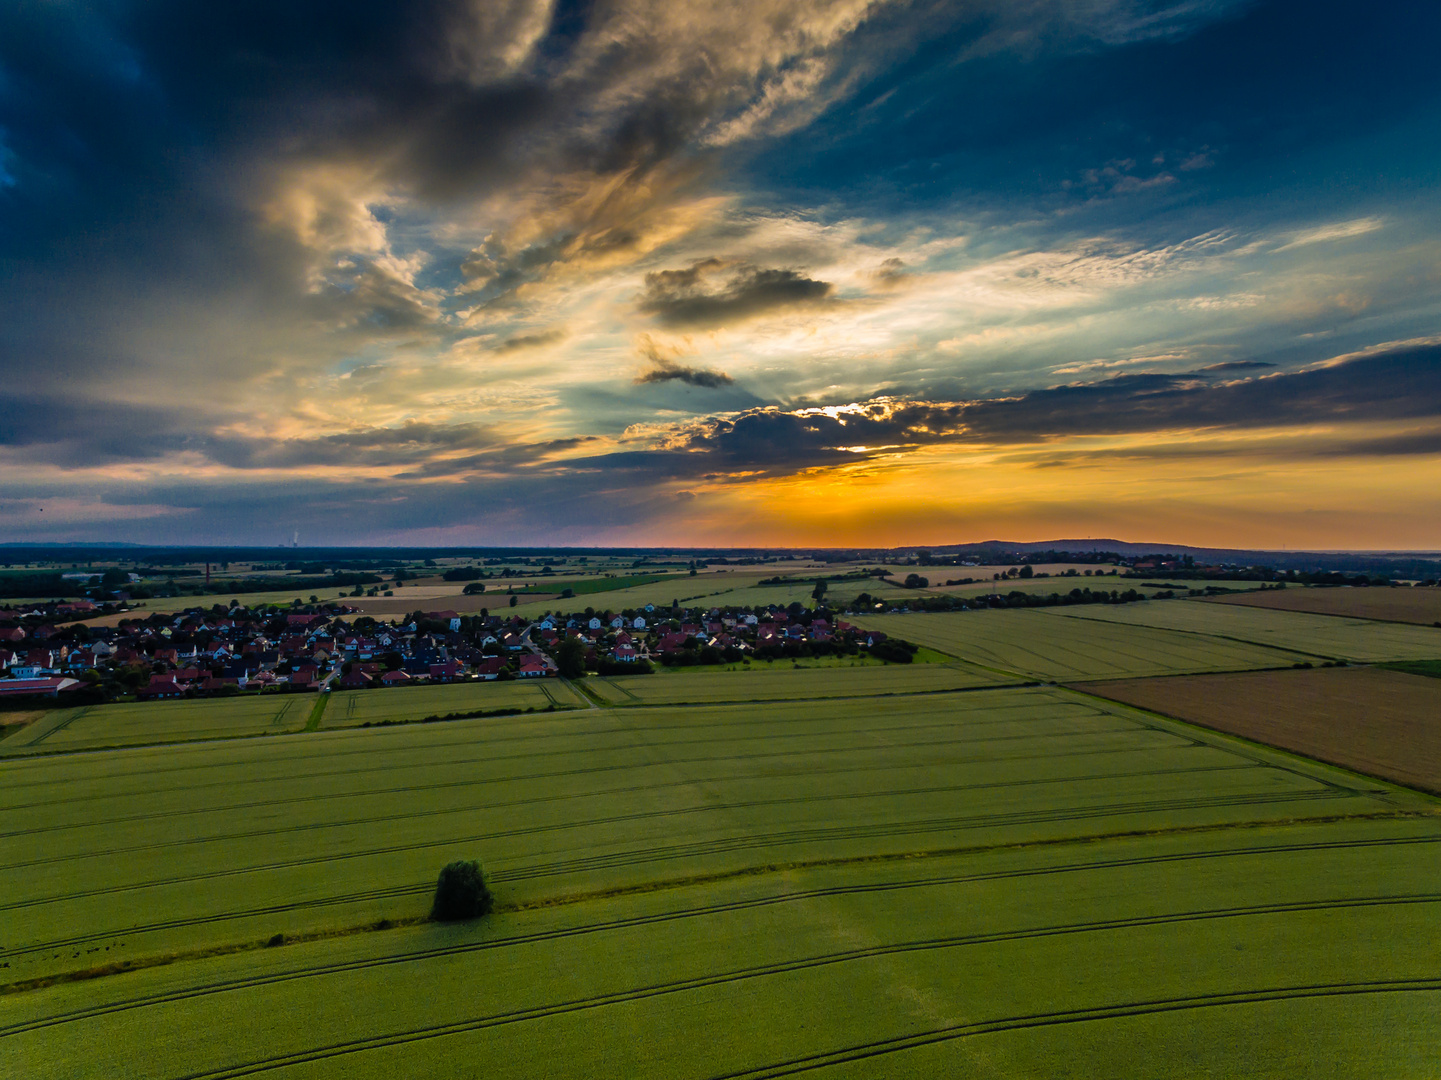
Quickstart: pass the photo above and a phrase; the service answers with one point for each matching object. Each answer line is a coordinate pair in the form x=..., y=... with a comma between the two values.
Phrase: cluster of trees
x=1015, y=598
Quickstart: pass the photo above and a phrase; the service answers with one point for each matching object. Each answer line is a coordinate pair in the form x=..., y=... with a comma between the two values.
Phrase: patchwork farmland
x=846, y=870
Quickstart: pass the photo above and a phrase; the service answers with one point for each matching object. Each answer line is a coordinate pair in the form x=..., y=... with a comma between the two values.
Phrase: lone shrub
x=460, y=893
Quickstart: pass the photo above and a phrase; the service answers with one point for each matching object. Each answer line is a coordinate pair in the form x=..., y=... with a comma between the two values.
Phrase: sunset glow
x=835, y=273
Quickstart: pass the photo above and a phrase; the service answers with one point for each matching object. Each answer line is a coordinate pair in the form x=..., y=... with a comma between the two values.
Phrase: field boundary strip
x=317, y=712
x=414, y=1035
x=712, y=909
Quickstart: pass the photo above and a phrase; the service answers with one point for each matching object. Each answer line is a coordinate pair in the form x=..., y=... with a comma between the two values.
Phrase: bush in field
x=461, y=893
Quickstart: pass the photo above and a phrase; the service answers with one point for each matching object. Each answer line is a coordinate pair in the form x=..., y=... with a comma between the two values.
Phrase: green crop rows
x=944, y=878
x=781, y=684
x=352, y=708
x=1328, y=636
x=1037, y=644
x=161, y=722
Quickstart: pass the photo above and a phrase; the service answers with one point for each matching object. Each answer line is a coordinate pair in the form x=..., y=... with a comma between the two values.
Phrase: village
x=220, y=651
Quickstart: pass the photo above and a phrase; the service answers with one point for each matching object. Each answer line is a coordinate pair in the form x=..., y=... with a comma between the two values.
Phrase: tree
x=819, y=591
x=915, y=581
x=570, y=657
x=1027, y=571
x=461, y=893
x=513, y=599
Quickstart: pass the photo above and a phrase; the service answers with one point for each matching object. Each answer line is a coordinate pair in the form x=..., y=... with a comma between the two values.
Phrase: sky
x=779, y=272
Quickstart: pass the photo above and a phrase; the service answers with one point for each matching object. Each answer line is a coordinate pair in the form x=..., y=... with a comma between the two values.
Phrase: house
x=595, y=624
x=450, y=618
x=533, y=667
x=160, y=687
x=626, y=654
x=449, y=671
x=356, y=680
x=491, y=667
x=395, y=678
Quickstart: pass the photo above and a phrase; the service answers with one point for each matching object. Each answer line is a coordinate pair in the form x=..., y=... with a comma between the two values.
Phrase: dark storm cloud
x=686, y=298
x=530, y=341
x=670, y=371
x=1399, y=385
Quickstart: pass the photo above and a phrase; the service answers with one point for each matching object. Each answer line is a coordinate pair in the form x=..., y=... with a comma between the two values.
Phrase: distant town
x=147, y=633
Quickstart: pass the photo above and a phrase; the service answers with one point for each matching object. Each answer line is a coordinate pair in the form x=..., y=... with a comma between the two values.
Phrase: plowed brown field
x=1392, y=605
x=1382, y=723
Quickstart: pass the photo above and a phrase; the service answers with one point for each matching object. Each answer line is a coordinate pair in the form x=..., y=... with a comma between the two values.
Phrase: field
x=1037, y=644
x=782, y=683
x=1383, y=723
x=874, y=886
x=1429, y=668
x=1409, y=605
x=145, y=723
x=1318, y=636
x=352, y=708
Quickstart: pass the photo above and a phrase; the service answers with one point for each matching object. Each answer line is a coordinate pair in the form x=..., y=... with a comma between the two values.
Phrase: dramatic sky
x=814, y=272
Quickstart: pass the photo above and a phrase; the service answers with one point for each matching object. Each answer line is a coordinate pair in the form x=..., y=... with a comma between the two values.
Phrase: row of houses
x=210, y=651
x=226, y=650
